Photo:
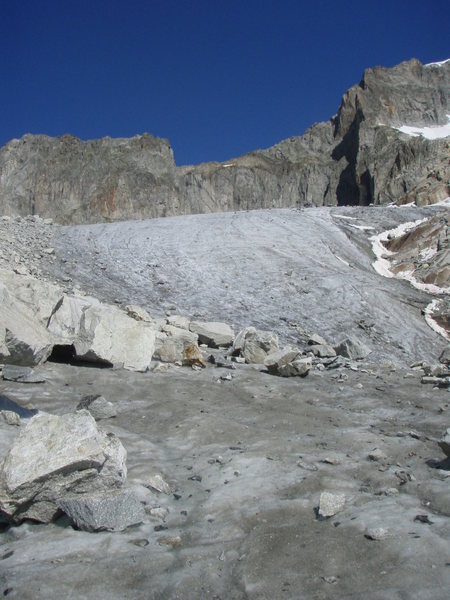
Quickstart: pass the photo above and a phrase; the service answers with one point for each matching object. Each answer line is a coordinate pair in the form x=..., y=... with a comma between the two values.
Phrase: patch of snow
x=409, y=205
x=362, y=227
x=344, y=217
x=438, y=64
x=430, y=133
x=427, y=253
x=431, y=288
x=429, y=310
x=384, y=267
x=228, y=165
x=444, y=202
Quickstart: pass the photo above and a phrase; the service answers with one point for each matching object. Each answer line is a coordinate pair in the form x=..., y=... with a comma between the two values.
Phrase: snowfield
x=430, y=133
x=285, y=270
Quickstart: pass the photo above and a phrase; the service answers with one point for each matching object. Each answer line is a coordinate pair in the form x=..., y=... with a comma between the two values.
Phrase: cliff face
x=358, y=157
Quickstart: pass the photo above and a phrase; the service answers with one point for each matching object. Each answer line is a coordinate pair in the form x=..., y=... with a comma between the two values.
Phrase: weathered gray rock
x=352, y=348
x=21, y=374
x=102, y=333
x=330, y=504
x=323, y=350
x=171, y=343
x=255, y=345
x=158, y=484
x=317, y=340
x=110, y=511
x=23, y=340
x=54, y=458
x=10, y=417
x=138, y=313
x=98, y=406
x=213, y=334
x=179, y=321
x=445, y=356
x=275, y=361
x=376, y=533
x=297, y=368
x=444, y=443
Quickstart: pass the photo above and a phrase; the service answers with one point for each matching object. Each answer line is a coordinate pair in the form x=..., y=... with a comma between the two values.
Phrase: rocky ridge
x=358, y=157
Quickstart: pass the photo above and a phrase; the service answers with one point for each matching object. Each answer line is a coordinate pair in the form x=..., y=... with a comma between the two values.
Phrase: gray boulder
x=213, y=334
x=444, y=443
x=53, y=458
x=316, y=340
x=297, y=368
x=23, y=340
x=323, y=351
x=277, y=360
x=255, y=345
x=179, y=321
x=445, y=356
x=111, y=511
x=98, y=406
x=21, y=374
x=352, y=348
x=171, y=343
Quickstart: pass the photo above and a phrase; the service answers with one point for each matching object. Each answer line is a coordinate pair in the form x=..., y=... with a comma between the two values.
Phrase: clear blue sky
x=217, y=78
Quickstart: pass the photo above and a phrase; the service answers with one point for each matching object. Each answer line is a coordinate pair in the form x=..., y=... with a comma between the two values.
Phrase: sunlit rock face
x=388, y=142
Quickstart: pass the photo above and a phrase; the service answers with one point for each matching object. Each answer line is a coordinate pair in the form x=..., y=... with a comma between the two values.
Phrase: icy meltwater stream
x=274, y=269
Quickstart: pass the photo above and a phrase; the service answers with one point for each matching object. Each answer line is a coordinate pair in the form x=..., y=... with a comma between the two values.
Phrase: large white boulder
x=55, y=457
x=212, y=333
x=23, y=339
x=102, y=333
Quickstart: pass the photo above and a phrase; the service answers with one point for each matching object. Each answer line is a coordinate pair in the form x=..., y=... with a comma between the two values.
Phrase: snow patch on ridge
x=438, y=64
x=430, y=133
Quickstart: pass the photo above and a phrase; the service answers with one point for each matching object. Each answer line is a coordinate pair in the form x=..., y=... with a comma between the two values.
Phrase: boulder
x=37, y=297
x=102, y=333
x=445, y=356
x=10, y=417
x=317, y=340
x=98, y=406
x=444, y=443
x=111, y=511
x=193, y=356
x=178, y=321
x=21, y=374
x=171, y=343
x=255, y=345
x=213, y=334
x=297, y=368
x=138, y=313
x=275, y=361
x=53, y=458
x=352, y=348
x=330, y=504
x=323, y=351
x=23, y=339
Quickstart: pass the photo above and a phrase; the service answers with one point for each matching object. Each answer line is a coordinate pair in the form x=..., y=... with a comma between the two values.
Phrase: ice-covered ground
x=275, y=269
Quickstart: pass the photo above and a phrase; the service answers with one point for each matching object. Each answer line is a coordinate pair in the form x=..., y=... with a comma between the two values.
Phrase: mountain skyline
x=217, y=80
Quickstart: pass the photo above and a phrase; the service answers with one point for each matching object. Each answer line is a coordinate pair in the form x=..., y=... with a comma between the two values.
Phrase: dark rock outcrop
x=356, y=158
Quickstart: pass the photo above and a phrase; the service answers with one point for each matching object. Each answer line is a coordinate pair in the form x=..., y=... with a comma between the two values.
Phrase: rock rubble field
x=226, y=406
